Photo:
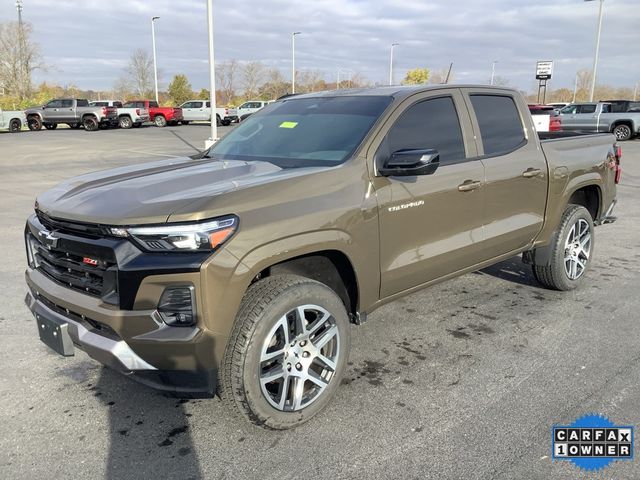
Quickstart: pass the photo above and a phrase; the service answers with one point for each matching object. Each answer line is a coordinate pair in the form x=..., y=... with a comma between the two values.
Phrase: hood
x=151, y=192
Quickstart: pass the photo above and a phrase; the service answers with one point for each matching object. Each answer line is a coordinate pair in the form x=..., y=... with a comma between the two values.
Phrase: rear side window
x=430, y=124
x=81, y=103
x=499, y=121
x=587, y=109
x=69, y=104
x=153, y=104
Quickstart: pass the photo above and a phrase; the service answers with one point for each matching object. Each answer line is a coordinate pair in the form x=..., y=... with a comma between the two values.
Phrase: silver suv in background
x=127, y=116
x=600, y=117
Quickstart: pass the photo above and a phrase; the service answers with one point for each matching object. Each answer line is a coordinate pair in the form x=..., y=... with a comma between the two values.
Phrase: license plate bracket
x=54, y=333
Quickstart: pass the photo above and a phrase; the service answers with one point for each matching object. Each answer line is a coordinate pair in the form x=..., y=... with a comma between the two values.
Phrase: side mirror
x=404, y=163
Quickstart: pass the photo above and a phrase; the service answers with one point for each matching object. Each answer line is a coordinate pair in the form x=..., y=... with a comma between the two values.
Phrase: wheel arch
x=332, y=268
x=590, y=197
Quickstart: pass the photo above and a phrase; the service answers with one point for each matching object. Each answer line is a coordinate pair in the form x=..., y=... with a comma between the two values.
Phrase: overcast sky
x=88, y=42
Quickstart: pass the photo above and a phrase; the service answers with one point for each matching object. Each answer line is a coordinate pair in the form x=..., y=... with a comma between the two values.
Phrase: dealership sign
x=544, y=70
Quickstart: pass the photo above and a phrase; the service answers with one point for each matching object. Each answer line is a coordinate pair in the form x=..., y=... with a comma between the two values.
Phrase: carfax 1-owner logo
x=592, y=442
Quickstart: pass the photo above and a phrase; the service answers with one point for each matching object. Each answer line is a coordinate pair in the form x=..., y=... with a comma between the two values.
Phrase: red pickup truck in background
x=161, y=116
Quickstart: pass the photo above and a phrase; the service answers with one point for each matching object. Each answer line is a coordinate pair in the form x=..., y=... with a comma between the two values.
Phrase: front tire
x=287, y=352
x=571, y=251
x=622, y=133
x=34, y=124
x=125, y=122
x=15, y=125
x=185, y=122
x=160, y=121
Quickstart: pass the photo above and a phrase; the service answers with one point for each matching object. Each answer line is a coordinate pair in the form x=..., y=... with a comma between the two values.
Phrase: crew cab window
x=499, y=121
x=187, y=105
x=569, y=110
x=79, y=103
x=430, y=124
x=69, y=104
x=587, y=109
x=606, y=108
x=196, y=104
x=117, y=104
x=153, y=104
x=54, y=104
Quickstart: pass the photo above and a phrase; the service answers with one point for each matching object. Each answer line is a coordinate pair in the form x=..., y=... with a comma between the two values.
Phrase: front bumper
x=104, y=345
x=116, y=321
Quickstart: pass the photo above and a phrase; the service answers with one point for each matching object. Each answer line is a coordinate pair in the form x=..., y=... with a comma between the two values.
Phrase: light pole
x=493, y=71
x=575, y=89
x=293, y=61
x=597, y=54
x=212, y=78
x=635, y=91
x=391, y=63
x=21, y=43
x=155, y=64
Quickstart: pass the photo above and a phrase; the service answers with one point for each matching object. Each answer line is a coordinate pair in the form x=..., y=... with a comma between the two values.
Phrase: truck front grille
x=86, y=274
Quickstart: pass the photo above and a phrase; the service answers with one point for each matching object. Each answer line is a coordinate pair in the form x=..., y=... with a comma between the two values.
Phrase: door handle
x=531, y=172
x=469, y=185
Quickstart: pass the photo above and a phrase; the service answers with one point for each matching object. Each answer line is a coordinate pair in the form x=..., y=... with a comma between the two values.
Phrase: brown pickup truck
x=238, y=271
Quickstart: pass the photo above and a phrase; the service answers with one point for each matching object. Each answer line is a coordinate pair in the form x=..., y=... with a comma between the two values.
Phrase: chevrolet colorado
x=239, y=270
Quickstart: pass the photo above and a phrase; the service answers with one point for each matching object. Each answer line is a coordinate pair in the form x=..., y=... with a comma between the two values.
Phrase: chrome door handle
x=469, y=185
x=531, y=172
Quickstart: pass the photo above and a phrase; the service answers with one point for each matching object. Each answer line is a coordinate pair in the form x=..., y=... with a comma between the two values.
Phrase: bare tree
x=139, y=73
x=19, y=58
x=227, y=74
x=275, y=85
x=309, y=81
x=253, y=75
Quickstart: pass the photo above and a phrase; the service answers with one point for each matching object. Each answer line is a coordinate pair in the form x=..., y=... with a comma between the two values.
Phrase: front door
x=430, y=225
x=515, y=193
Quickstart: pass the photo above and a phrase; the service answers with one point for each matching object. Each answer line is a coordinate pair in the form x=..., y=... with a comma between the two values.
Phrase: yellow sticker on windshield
x=288, y=124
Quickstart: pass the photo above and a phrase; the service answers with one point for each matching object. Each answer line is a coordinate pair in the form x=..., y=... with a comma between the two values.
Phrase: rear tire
x=90, y=124
x=622, y=132
x=287, y=352
x=125, y=122
x=50, y=126
x=160, y=121
x=74, y=126
x=572, y=249
x=15, y=125
x=34, y=124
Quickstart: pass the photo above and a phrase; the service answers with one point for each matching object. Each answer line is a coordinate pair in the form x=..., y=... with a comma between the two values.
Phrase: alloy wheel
x=577, y=249
x=299, y=357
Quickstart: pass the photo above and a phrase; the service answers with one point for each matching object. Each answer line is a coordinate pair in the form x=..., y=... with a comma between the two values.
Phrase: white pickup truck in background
x=252, y=106
x=200, y=111
x=12, y=120
x=127, y=116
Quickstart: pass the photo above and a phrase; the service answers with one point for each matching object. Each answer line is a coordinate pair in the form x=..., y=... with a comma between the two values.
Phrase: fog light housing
x=177, y=306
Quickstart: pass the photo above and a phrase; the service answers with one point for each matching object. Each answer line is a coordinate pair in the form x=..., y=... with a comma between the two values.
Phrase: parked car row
x=79, y=112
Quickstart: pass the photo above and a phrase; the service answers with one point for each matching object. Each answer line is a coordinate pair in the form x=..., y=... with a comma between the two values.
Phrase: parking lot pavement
x=462, y=380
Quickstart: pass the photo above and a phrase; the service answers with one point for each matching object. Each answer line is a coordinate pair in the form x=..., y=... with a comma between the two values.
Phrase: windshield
x=319, y=131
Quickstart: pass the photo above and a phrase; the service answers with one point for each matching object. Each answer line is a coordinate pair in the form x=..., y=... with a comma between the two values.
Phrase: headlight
x=204, y=236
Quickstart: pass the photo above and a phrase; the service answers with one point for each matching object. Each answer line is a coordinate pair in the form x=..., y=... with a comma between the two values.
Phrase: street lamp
x=391, y=63
x=293, y=61
x=635, y=91
x=212, y=78
x=595, y=57
x=493, y=71
x=155, y=65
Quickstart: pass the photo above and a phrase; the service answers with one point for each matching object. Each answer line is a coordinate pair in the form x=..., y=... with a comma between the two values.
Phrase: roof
x=399, y=91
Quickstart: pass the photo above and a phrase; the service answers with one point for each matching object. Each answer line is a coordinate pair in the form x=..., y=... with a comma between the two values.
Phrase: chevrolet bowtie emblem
x=48, y=239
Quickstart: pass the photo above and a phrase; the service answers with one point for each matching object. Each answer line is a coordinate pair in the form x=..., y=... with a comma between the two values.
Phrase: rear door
x=586, y=117
x=516, y=175
x=430, y=225
x=187, y=111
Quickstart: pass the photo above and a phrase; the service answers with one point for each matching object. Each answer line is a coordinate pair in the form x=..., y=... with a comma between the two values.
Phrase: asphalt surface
x=462, y=380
